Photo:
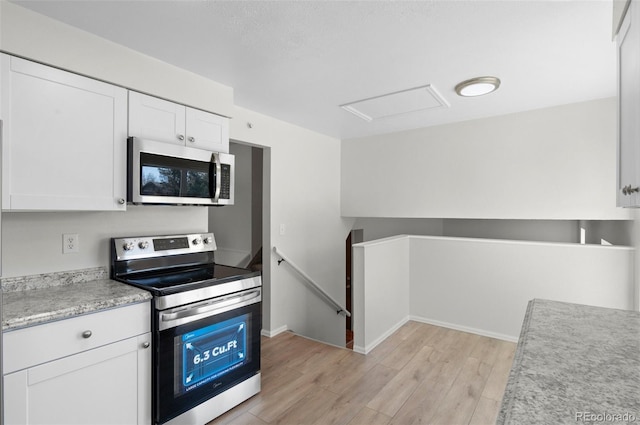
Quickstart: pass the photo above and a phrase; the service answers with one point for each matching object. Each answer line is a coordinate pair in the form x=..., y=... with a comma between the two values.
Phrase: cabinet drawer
x=38, y=344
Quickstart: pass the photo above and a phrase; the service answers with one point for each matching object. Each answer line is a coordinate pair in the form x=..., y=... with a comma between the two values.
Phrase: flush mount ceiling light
x=478, y=86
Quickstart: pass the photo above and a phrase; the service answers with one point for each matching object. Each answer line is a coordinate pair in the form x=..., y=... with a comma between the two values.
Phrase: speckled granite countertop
x=574, y=364
x=36, y=299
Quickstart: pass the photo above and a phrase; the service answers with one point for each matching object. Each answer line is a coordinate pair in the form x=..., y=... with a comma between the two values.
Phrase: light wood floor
x=422, y=374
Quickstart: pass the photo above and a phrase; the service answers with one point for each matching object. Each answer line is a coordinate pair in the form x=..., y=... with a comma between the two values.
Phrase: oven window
x=175, y=177
x=201, y=359
x=211, y=352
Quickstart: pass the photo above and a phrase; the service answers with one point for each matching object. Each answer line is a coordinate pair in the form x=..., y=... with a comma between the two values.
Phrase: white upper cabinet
x=628, y=41
x=63, y=144
x=156, y=119
x=207, y=131
x=164, y=121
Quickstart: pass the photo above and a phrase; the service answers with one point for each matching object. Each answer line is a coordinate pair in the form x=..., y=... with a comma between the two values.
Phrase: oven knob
x=197, y=241
x=128, y=246
x=143, y=244
x=208, y=240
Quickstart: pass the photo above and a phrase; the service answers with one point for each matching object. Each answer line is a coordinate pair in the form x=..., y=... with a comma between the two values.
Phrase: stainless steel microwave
x=164, y=173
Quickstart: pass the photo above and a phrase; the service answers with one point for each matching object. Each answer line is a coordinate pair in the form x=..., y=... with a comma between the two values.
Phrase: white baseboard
x=456, y=327
x=358, y=349
x=367, y=349
x=271, y=333
x=320, y=341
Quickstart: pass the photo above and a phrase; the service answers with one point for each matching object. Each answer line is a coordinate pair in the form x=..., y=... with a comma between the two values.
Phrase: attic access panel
x=397, y=103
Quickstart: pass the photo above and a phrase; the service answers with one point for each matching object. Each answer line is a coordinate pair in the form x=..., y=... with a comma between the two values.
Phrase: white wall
x=479, y=285
x=381, y=290
x=300, y=191
x=554, y=163
x=305, y=197
x=615, y=232
x=232, y=224
x=484, y=285
x=529, y=230
x=32, y=242
x=619, y=232
x=379, y=228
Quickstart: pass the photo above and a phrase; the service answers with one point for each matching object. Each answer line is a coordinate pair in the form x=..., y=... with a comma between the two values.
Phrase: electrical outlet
x=70, y=243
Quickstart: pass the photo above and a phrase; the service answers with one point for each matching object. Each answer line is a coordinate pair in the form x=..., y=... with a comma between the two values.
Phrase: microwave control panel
x=225, y=182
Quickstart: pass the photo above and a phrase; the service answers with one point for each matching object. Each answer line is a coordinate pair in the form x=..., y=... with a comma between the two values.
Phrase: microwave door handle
x=215, y=161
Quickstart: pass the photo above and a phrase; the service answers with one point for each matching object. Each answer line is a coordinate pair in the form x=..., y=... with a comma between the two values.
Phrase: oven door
x=204, y=349
x=162, y=173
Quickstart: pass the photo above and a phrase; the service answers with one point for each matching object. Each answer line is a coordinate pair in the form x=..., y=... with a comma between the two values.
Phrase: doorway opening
x=243, y=229
x=354, y=237
x=238, y=228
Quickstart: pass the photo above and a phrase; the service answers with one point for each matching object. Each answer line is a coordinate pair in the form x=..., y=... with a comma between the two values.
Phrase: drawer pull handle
x=146, y=344
x=87, y=334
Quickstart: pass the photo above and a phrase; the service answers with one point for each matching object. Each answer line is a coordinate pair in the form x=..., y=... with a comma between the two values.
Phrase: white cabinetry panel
x=164, y=121
x=629, y=109
x=99, y=386
x=207, y=131
x=66, y=378
x=65, y=337
x=64, y=139
x=156, y=119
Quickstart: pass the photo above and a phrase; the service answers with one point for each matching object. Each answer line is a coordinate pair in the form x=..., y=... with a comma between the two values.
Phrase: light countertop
x=38, y=299
x=574, y=364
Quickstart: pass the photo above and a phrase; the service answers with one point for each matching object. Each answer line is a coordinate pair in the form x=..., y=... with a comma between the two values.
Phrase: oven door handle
x=213, y=306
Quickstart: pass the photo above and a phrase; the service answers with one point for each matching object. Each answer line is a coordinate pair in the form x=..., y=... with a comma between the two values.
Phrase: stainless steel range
x=206, y=324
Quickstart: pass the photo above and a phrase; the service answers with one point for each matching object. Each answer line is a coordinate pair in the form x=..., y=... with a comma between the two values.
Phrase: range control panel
x=156, y=246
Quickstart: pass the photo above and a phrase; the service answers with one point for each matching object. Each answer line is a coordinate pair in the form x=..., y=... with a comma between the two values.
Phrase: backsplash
x=45, y=280
x=32, y=241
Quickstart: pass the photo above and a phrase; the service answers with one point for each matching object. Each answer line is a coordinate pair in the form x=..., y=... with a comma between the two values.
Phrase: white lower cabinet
x=108, y=384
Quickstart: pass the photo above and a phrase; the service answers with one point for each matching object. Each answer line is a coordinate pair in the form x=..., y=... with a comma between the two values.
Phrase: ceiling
x=299, y=61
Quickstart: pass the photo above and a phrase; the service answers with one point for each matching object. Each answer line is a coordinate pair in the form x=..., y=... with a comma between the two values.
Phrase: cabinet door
x=106, y=385
x=156, y=119
x=629, y=108
x=63, y=142
x=207, y=131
